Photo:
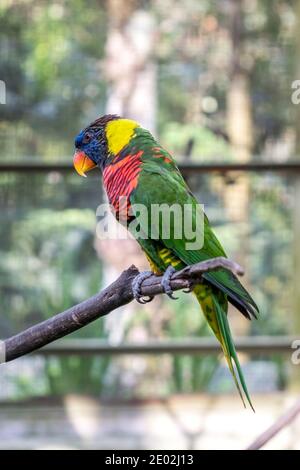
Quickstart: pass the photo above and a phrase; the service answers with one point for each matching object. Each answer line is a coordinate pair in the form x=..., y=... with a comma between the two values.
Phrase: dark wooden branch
x=116, y=295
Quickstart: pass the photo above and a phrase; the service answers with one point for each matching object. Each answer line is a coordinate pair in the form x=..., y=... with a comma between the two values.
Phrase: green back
x=160, y=182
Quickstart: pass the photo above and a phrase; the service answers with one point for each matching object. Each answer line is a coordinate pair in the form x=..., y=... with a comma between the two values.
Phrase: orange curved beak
x=82, y=163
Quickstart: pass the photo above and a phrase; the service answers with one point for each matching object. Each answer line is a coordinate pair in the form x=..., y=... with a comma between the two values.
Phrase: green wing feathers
x=214, y=307
x=162, y=183
x=237, y=294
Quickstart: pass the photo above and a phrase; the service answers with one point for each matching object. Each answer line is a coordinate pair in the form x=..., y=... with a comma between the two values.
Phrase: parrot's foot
x=166, y=282
x=136, y=287
x=189, y=289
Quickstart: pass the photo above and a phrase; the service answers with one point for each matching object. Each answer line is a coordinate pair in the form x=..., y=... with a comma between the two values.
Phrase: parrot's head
x=101, y=141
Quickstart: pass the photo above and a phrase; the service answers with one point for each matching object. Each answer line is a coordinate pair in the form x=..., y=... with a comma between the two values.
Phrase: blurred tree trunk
x=131, y=76
x=129, y=68
x=295, y=379
x=240, y=133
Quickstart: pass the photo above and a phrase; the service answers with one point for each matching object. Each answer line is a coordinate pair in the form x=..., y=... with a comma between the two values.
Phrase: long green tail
x=214, y=307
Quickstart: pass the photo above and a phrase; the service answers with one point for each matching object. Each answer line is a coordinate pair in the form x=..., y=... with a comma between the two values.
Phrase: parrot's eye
x=87, y=138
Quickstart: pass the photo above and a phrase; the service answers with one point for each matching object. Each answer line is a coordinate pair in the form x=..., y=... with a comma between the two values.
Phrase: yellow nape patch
x=118, y=134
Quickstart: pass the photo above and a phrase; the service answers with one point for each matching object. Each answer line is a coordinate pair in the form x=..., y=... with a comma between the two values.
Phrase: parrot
x=138, y=170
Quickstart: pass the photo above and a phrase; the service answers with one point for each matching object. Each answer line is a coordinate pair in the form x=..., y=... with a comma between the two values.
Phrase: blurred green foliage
x=50, y=61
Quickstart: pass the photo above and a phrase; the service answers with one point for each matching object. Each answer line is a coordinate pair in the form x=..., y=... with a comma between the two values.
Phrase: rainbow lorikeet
x=136, y=168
